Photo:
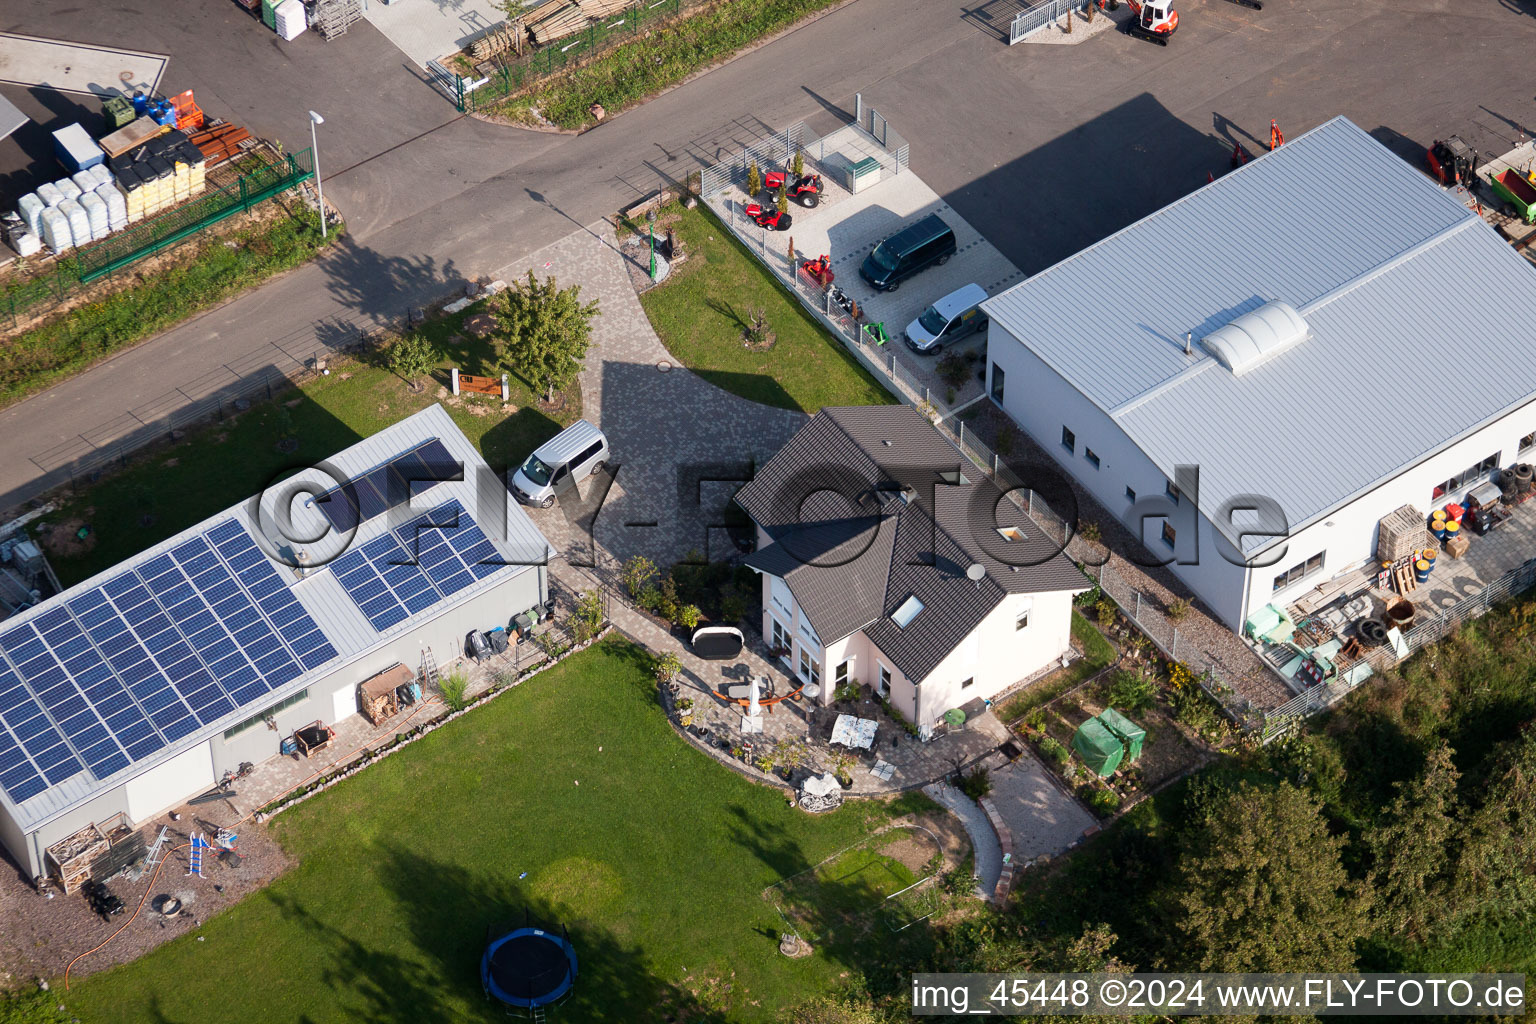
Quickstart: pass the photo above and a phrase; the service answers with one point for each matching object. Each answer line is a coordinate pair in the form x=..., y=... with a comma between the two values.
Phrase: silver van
x=951, y=318
x=570, y=456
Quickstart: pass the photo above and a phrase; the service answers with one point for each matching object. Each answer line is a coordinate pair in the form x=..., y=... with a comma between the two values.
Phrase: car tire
x=597, y=467
x=943, y=260
x=938, y=347
x=548, y=502
x=981, y=326
x=893, y=286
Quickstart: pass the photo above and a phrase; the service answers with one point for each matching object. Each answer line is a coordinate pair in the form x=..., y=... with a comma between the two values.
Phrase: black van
x=916, y=247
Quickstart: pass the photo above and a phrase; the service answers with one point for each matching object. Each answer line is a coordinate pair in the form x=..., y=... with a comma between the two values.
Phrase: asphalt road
x=1046, y=148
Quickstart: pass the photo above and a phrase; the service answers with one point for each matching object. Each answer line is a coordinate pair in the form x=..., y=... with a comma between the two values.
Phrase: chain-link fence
x=260, y=181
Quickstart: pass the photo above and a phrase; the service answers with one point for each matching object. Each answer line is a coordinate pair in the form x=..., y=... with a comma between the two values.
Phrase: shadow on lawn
x=843, y=916
x=451, y=913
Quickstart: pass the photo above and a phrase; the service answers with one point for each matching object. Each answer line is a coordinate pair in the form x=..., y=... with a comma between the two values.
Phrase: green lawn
x=652, y=854
x=700, y=311
x=180, y=485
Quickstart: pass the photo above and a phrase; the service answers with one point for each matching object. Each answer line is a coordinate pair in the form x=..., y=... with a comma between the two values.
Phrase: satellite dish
x=976, y=573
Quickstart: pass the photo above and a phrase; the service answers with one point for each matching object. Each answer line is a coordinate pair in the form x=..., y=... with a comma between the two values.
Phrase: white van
x=570, y=456
x=954, y=316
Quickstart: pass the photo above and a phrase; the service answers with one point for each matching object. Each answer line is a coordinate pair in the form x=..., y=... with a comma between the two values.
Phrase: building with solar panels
x=134, y=690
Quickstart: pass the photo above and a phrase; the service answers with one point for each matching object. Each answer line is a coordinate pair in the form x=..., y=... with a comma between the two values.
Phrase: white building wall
x=1348, y=536
x=1041, y=402
x=166, y=784
x=997, y=654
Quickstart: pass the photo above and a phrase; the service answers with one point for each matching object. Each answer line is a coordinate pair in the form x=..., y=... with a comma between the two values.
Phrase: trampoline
x=528, y=968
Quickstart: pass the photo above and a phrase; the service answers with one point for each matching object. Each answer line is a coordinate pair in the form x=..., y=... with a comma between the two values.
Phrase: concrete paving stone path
x=989, y=853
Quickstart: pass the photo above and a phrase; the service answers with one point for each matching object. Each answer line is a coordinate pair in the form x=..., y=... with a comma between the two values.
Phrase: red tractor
x=1452, y=162
x=805, y=190
x=768, y=217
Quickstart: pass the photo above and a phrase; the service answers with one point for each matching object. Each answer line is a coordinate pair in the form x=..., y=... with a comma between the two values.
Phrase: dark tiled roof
x=869, y=505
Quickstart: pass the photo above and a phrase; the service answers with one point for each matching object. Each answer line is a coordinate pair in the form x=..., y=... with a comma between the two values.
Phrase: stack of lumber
x=560, y=18
x=221, y=142
x=499, y=39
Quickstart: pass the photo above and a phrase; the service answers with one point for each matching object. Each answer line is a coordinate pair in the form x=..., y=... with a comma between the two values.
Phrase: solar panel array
x=386, y=486
x=154, y=654
x=434, y=556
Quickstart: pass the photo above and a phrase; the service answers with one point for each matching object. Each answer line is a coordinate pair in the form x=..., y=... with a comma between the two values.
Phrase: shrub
x=1004, y=443
x=953, y=369
x=1103, y=802
x=650, y=599
x=666, y=604
x=637, y=573
x=412, y=358
x=797, y=167
x=454, y=687
x=754, y=180
x=553, y=646
x=1104, y=611
x=1052, y=749
x=688, y=616
x=1035, y=720
x=732, y=608
x=1090, y=531
x=1178, y=609
x=976, y=785
x=899, y=718
x=666, y=667
x=849, y=691
x=1131, y=691
x=587, y=620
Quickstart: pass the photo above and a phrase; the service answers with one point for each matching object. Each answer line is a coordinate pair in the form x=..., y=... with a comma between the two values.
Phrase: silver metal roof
x=481, y=493
x=1418, y=313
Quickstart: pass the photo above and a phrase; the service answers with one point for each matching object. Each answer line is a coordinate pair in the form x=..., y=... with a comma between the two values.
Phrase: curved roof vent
x=1256, y=337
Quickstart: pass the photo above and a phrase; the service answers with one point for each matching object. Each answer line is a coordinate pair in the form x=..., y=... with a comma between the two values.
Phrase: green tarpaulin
x=1127, y=730
x=1099, y=748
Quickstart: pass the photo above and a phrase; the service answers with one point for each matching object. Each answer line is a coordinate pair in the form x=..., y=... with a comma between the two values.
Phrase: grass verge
x=569, y=797
x=172, y=488
x=663, y=57
x=702, y=309
x=218, y=267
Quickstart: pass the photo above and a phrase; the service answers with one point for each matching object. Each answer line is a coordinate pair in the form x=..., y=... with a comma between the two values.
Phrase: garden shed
x=1100, y=749
x=1126, y=730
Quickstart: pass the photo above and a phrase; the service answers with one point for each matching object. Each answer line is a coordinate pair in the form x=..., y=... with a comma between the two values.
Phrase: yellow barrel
x=1439, y=515
x=1452, y=529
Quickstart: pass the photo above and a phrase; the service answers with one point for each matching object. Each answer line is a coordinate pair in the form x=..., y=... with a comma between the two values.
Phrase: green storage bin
x=118, y=112
x=269, y=13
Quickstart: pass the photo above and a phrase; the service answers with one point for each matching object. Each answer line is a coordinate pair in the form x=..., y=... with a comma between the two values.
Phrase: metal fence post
x=1138, y=608
x=962, y=431
x=1174, y=651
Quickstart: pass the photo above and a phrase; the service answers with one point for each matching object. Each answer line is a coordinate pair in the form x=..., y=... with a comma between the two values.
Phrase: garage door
x=167, y=785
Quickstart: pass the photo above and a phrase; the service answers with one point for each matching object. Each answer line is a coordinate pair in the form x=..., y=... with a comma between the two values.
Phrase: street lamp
x=314, y=154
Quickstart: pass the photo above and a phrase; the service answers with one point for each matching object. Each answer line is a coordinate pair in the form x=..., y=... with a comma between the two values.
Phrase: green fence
x=155, y=234
x=511, y=76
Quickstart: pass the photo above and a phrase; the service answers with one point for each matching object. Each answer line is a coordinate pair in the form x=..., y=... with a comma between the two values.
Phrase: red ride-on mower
x=1452, y=162
x=768, y=217
x=820, y=270
x=805, y=190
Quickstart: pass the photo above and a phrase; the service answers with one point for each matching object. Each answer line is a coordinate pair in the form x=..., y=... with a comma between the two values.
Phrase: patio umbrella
x=954, y=718
x=755, y=708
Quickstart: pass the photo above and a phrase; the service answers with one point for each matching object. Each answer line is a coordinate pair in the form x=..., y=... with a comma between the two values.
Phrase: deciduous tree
x=543, y=332
x=1412, y=847
x=1263, y=889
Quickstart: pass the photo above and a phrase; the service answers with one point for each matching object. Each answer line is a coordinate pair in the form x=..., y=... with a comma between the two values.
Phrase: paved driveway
x=681, y=446
x=1041, y=816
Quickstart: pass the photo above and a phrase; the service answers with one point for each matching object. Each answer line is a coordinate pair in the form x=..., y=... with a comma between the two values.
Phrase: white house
x=1320, y=338
x=888, y=558
x=130, y=692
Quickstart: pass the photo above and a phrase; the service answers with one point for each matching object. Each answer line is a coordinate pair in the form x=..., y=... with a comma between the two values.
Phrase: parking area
x=847, y=226
x=430, y=31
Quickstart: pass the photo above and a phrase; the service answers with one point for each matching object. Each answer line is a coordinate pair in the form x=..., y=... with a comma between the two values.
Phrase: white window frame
x=883, y=688
x=779, y=634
